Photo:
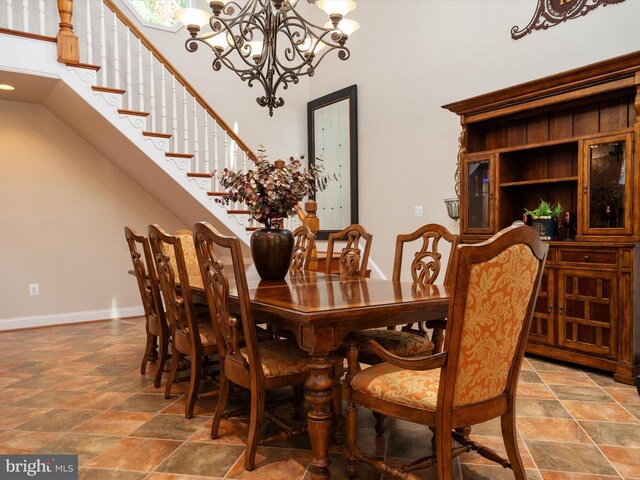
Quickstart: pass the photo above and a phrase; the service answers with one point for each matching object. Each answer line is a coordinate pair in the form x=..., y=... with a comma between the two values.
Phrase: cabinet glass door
x=478, y=195
x=608, y=177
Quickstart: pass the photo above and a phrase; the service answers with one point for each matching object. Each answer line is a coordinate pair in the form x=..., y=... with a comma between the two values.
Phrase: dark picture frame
x=314, y=107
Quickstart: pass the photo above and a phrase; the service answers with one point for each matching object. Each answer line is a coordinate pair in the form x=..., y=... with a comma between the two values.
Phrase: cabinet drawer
x=588, y=257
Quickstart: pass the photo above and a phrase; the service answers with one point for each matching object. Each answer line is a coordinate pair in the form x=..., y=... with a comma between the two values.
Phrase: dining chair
x=256, y=366
x=425, y=267
x=353, y=260
x=304, y=243
x=189, y=337
x=475, y=378
x=156, y=323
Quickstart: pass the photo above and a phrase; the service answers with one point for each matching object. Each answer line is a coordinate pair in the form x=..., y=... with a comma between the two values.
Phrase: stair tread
x=238, y=212
x=252, y=229
x=178, y=155
x=35, y=36
x=86, y=66
x=133, y=112
x=97, y=88
x=216, y=194
x=199, y=175
x=156, y=134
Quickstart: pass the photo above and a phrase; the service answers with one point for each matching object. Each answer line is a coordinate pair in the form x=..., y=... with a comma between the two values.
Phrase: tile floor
x=78, y=389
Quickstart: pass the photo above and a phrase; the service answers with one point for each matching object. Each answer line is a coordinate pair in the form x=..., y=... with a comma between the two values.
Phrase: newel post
x=313, y=222
x=67, y=41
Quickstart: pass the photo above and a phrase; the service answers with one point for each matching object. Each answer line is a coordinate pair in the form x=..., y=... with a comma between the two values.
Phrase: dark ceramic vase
x=272, y=250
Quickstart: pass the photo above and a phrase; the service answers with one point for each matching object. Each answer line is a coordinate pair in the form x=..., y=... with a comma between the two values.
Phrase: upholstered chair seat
x=399, y=343
x=281, y=357
x=413, y=388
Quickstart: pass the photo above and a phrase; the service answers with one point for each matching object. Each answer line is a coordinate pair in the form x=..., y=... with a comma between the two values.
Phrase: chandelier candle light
x=269, y=40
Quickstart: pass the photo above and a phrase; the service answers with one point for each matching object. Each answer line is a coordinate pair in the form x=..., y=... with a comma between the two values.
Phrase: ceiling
x=28, y=88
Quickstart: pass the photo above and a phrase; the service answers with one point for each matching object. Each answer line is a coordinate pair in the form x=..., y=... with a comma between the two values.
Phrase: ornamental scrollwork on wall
x=552, y=12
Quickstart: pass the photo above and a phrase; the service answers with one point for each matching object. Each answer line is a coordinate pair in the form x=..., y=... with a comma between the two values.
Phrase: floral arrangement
x=272, y=190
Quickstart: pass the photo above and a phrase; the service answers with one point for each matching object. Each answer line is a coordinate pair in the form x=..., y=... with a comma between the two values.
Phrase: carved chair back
x=303, y=248
x=353, y=260
x=496, y=285
x=172, y=274
x=144, y=268
x=427, y=261
x=210, y=246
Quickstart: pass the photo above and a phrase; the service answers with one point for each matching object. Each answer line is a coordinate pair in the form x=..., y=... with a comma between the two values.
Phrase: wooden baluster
x=89, y=34
x=140, y=78
x=244, y=159
x=103, y=47
x=152, y=94
x=116, y=53
x=196, y=146
x=25, y=15
x=41, y=16
x=216, y=156
x=163, y=98
x=313, y=222
x=68, y=49
x=225, y=145
x=129, y=76
x=206, y=142
x=10, y=14
x=185, y=121
x=174, y=112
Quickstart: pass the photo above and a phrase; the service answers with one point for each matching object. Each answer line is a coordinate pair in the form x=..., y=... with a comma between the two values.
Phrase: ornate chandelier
x=269, y=41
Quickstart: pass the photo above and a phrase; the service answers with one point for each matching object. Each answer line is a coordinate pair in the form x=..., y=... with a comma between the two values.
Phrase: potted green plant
x=545, y=219
x=271, y=191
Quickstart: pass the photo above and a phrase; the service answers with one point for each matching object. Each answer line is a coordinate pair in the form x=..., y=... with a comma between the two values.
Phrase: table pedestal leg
x=318, y=394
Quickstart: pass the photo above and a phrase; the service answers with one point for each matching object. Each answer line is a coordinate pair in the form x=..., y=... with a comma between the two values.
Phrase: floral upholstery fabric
x=499, y=291
x=189, y=250
x=280, y=357
x=399, y=343
x=414, y=388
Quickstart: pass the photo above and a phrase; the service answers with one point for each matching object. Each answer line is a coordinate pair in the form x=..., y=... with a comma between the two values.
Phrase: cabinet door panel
x=478, y=194
x=542, y=326
x=607, y=178
x=588, y=311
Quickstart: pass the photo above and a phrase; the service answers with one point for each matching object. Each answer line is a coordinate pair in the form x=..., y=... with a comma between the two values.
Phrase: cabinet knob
x=584, y=189
x=561, y=309
x=550, y=309
x=586, y=258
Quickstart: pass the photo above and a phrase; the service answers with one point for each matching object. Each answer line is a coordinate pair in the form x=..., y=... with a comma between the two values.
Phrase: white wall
x=63, y=208
x=412, y=56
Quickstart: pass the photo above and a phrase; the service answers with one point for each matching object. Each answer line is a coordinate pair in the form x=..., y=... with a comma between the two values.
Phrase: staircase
x=109, y=68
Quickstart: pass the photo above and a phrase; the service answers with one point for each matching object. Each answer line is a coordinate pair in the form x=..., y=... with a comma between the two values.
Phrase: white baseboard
x=64, y=318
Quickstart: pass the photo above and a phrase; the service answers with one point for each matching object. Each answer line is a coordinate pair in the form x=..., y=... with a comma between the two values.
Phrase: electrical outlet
x=418, y=211
x=34, y=289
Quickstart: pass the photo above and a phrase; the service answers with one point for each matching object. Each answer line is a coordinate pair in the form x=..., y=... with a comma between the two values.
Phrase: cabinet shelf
x=539, y=181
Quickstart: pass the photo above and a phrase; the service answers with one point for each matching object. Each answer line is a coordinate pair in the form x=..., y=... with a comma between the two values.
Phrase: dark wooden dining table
x=321, y=310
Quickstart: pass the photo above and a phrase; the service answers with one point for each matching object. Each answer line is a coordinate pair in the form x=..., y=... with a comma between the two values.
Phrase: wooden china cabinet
x=571, y=138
